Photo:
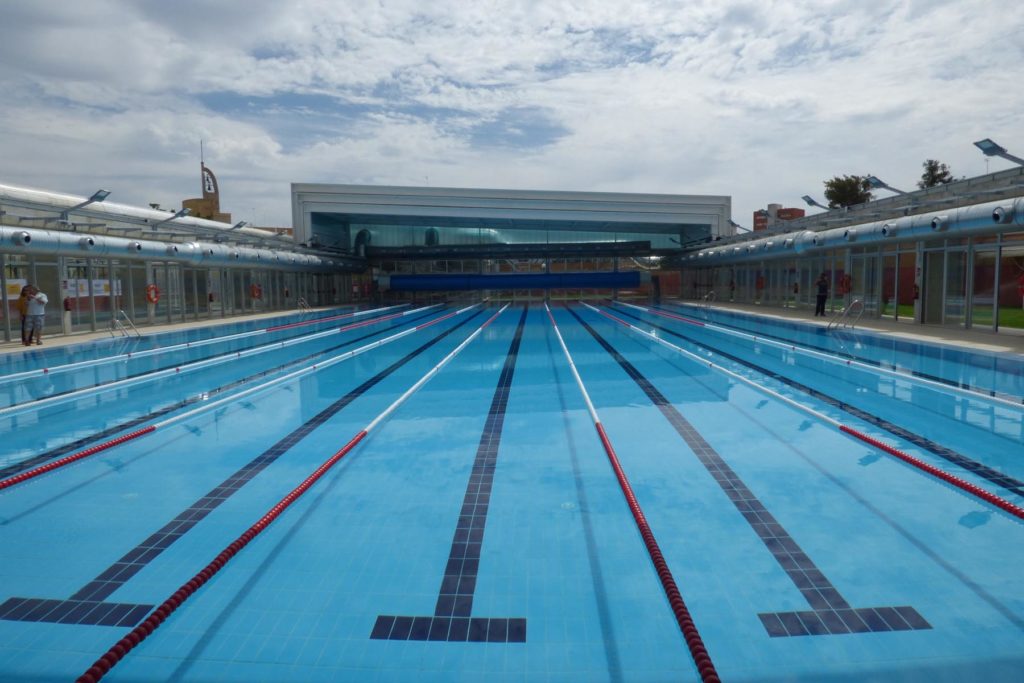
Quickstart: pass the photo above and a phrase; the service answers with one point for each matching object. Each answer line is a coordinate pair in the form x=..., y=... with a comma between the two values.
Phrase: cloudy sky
x=759, y=100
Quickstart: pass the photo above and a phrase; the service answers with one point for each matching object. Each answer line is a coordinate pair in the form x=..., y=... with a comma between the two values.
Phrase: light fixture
x=181, y=213
x=876, y=182
x=97, y=196
x=991, y=149
x=811, y=202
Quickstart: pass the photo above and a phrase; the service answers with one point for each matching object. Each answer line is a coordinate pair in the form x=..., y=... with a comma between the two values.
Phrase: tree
x=847, y=191
x=935, y=173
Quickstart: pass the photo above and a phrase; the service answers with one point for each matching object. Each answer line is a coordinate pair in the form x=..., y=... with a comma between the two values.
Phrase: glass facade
x=86, y=293
x=976, y=283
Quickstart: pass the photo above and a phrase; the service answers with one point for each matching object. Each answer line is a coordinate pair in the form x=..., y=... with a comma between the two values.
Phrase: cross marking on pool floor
x=830, y=613
x=452, y=620
x=88, y=605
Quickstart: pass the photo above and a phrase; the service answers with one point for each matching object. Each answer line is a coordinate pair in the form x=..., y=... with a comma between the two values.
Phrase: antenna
x=201, y=159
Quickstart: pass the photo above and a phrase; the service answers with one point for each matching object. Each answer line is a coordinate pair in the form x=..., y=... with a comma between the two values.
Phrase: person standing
x=22, y=305
x=36, y=315
x=819, y=304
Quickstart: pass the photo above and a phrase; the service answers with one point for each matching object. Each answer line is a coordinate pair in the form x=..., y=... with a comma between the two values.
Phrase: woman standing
x=22, y=305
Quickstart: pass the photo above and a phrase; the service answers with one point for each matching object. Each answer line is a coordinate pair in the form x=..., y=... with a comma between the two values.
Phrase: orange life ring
x=255, y=291
x=759, y=282
x=152, y=294
x=845, y=284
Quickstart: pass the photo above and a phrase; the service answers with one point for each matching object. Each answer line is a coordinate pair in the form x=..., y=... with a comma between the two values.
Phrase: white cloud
x=760, y=101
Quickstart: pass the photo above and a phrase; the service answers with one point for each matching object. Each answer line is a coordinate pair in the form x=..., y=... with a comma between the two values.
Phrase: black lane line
x=87, y=605
x=993, y=475
x=452, y=620
x=868, y=361
x=41, y=458
x=830, y=613
x=99, y=385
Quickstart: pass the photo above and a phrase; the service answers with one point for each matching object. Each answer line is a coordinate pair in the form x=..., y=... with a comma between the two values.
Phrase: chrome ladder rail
x=116, y=325
x=708, y=299
x=842, y=318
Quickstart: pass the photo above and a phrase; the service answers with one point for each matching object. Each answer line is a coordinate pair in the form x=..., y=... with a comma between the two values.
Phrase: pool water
x=478, y=531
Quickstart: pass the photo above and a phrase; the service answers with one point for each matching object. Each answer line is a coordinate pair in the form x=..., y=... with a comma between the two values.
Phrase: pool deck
x=1007, y=341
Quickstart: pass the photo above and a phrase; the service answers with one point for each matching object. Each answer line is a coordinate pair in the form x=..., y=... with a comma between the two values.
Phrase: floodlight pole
x=178, y=214
x=990, y=149
x=811, y=202
x=878, y=183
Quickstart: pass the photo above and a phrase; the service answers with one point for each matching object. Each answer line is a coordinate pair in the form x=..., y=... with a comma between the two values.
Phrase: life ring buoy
x=1020, y=285
x=759, y=282
x=255, y=291
x=845, y=284
x=152, y=294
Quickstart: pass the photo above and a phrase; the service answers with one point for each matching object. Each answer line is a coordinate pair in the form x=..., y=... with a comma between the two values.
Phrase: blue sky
x=762, y=101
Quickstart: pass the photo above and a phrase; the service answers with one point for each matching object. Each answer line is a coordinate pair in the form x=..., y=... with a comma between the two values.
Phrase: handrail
x=842, y=318
x=117, y=326
x=303, y=304
x=709, y=297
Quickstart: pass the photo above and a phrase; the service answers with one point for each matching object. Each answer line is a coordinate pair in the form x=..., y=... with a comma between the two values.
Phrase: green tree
x=935, y=173
x=847, y=191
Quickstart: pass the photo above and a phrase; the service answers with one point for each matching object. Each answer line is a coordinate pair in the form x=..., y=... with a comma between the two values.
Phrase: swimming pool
x=476, y=530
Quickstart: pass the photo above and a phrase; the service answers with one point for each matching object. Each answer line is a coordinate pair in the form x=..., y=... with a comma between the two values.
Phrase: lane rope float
x=97, y=389
x=18, y=376
x=93, y=450
x=686, y=624
x=118, y=651
x=962, y=484
x=848, y=362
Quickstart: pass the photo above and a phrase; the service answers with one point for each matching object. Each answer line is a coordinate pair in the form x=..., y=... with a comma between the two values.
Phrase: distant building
x=766, y=219
x=207, y=206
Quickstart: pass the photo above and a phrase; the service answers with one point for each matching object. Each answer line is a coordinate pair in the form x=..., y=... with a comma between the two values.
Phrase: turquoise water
x=763, y=512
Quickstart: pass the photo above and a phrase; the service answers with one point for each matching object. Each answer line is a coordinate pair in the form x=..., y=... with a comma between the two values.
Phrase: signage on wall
x=79, y=288
x=14, y=287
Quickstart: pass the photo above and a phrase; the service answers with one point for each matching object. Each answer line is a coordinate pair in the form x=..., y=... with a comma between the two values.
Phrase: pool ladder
x=708, y=299
x=847, y=317
x=121, y=323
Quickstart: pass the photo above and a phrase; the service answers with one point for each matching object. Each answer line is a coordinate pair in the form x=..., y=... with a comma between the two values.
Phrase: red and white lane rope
x=973, y=489
x=187, y=345
x=830, y=358
x=690, y=634
x=116, y=653
x=93, y=450
x=193, y=366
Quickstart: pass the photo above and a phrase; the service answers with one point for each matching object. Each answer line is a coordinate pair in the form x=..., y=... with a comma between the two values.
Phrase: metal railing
x=120, y=322
x=848, y=316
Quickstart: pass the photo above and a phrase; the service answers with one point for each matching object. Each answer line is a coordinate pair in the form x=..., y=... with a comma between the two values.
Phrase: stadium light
x=991, y=149
x=878, y=183
x=181, y=213
x=811, y=202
